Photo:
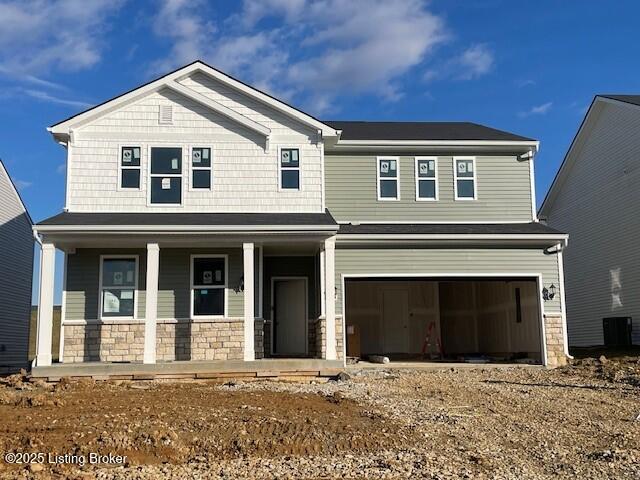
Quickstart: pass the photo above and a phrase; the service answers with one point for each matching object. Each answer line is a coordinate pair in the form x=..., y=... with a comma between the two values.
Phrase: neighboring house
x=596, y=197
x=16, y=266
x=206, y=220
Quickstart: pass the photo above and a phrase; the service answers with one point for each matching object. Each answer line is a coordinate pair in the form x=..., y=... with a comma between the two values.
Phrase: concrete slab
x=426, y=365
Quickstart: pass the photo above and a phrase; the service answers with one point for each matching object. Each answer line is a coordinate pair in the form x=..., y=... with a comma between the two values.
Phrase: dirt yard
x=581, y=421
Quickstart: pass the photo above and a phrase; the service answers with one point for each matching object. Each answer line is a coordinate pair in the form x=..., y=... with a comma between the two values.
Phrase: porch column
x=45, y=305
x=249, y=313
x=151, y=305
x=330, y=292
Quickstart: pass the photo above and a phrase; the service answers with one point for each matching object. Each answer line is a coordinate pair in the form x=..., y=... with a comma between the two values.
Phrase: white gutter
x=184, y=228
x=360, y=237
x=443, y=143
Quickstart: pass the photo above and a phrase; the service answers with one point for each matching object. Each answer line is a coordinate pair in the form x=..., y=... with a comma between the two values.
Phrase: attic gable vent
x=166, y=115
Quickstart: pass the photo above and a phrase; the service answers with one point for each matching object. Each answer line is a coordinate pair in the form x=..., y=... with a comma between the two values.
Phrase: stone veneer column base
x=321, y=337
x=181, y=340
x=554, y=338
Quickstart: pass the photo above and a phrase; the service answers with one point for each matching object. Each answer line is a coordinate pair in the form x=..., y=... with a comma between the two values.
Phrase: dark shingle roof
x=191, y=219
x=448, y=229
x=634, y=99
x=357, y=130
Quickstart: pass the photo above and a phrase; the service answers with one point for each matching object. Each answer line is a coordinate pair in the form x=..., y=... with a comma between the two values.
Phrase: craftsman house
x=16, y=245
x=206, y=220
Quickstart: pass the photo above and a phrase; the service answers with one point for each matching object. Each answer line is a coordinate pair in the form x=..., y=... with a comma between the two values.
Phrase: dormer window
x=289, y=169
x=130, y=168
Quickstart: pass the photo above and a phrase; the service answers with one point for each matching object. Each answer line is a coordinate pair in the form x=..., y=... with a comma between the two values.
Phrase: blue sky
x=531, y=68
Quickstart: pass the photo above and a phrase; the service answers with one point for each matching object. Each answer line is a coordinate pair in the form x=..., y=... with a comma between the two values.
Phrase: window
x=464, y=173
x=118, y=286
x=388, y=178
x=200, y=168
x=166, y=176
x=130, y=167
x=290, y=169
x=426, y=178
x=208, y=285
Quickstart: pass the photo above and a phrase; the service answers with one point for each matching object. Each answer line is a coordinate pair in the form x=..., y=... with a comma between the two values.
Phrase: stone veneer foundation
x=556, y=356
x=124, y=342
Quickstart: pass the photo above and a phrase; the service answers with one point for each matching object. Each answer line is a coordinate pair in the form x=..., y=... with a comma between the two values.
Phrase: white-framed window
x=165, y=176
x=201, y=164
x=118, y=286
x=209, y=278
x=129, y=167
x=426, y=178
x=464, y=178
x=388, y=178
x=289, y=168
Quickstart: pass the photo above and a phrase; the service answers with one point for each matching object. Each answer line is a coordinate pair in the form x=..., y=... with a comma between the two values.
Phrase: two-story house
x=206, y=220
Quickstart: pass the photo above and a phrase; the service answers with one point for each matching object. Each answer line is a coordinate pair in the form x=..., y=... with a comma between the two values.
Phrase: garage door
x=454, y=319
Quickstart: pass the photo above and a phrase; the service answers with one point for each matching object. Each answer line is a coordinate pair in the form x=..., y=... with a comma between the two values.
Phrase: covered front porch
x=140, y=296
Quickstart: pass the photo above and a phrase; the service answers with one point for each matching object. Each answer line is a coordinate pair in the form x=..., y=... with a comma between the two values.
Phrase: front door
x=395, y=319
x=290, y=316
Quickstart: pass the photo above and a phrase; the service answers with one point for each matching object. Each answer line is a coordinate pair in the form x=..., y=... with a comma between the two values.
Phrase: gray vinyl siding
x=407, y=260
x=174, y=296
x=16, y=267
x=598, y=206
x=503, y=191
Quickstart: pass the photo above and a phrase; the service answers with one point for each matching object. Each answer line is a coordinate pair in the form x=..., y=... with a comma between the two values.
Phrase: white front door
x=290, y=316
x=395, y=319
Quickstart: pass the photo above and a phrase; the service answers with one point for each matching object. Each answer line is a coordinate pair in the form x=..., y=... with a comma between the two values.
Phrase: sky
x=531, y=68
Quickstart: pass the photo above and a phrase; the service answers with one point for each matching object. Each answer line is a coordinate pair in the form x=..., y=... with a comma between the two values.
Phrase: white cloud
x=22, y=184
x=537, y=110
x=318, y=49
x=46, y=97
x=474, y=62
x=61, y=169
x=42, y=35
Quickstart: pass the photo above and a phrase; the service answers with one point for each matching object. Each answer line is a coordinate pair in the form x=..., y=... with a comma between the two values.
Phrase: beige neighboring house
x=595, y=197
x=208, y=221
x=16, y=266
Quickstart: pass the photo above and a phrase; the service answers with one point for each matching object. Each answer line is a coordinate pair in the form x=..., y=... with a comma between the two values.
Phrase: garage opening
x=476, y=320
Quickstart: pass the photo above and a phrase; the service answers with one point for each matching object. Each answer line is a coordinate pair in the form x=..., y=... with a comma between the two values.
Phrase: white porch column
x=45, y=305
x=151, y=306
x=330, y=292
x=249, y=312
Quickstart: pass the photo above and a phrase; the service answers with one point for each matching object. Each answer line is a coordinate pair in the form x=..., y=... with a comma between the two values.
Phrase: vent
x=166, y=115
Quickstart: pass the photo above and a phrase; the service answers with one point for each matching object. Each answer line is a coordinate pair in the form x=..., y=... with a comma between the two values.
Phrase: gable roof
x=633, y=99
x=362, y=130
x=170, y=80
x=3, y=171
x=588, y=122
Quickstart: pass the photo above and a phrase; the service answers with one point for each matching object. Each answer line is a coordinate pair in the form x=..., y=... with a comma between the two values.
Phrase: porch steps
x=304, y=370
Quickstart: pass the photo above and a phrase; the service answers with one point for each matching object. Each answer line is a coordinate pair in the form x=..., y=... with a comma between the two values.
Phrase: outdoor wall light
x=549, y=293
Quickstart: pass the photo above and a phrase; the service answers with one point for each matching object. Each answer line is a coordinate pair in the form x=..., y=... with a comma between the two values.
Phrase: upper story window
x=290, y=169
x=118, y=286
x=426, y=178
x=464, y=172
x=201, y=168
x=208, y=285
x=388, y=178
x=130, y=167
x=166, y=176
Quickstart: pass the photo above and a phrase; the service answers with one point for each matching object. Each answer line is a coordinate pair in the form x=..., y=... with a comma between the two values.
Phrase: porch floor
x=263, y=368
